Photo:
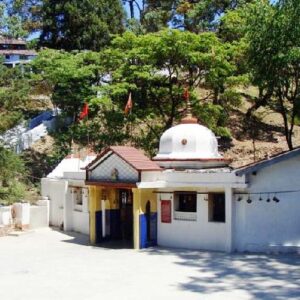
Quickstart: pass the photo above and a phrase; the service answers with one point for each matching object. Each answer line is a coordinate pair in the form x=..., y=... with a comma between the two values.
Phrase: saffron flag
x=186, y=94
x=128, y=106
x=85, y=111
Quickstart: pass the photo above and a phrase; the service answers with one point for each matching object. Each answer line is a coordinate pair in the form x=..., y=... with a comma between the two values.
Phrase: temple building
x=188, y=196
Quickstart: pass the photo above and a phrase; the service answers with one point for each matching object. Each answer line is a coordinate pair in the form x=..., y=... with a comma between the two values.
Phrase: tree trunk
x=131, y=7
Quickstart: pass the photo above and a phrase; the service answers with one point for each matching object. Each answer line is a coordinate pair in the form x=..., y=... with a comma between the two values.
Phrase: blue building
x=14, y=52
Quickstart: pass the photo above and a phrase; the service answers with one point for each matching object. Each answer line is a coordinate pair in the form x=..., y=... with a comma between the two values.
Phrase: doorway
x=126, y=215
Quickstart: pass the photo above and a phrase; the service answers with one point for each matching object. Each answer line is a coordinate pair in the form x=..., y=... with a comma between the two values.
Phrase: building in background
x=15, y=52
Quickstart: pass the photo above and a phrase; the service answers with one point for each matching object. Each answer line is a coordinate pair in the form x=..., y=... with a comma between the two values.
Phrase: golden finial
x=188, y=118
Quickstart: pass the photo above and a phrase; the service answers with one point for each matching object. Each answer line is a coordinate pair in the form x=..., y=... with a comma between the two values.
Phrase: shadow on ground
x=261, y=276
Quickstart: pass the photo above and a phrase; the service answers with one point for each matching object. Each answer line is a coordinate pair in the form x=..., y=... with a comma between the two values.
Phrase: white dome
x=190, y=146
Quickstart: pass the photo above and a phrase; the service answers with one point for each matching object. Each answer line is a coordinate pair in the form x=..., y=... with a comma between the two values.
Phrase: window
x=78, y=196
x=23, y=57
x=216, y=207
x=7, y=56
x=185, y=202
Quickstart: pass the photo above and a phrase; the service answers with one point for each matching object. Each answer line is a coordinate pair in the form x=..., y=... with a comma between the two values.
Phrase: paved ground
x=48, y=264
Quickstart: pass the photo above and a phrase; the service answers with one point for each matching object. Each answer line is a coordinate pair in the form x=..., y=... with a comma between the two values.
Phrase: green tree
x=14, y=90
x=12, y=173
x=11, y=24
x=274, y=58
x=80, y=24
x=193, y=15
x=156, y=68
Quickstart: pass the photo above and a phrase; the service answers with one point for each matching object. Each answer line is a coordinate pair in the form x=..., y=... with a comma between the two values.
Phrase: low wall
x=24, y=216
x=5, y=215
x=39, y=214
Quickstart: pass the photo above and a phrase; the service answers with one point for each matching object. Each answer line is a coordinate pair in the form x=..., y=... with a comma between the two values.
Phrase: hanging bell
x=249, y=200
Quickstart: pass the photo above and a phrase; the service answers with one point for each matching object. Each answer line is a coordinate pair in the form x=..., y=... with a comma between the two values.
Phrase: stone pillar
x=229, y=213
x=22, y=215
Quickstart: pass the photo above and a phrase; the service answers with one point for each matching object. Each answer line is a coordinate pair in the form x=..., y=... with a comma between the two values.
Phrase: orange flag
x=186, y=94
x=129, y=105
x=85, y=111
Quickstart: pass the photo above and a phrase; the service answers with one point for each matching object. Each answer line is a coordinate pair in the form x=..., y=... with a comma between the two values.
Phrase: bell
x=249, y=200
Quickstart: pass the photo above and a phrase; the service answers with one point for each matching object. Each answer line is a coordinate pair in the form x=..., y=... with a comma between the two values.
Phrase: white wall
x=5, y=215
x=77, y=216
x=199, y=234
x=270, y=227
x=81, y=222
x=39, y=214
x=55, y=190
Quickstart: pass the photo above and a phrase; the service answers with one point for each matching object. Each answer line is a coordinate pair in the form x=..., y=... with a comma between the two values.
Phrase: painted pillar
x=229, y=213
x=136, y=217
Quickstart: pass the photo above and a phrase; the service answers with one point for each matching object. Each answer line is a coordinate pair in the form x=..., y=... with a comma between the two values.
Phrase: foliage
x=274, y=56
x=11, y=174
x=156, y=68
x=67, y=77
x=10, y=24
x=192, y=15
x=80, y=24
x=14, y=89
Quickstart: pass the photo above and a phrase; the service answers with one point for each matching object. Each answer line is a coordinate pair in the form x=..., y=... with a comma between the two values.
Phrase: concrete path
x=48, y=264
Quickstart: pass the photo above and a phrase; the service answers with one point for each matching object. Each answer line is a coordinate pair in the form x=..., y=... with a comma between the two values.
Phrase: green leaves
x=12, y=172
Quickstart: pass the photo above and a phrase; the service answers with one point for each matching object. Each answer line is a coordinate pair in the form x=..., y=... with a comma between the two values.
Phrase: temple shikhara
x=187, y=196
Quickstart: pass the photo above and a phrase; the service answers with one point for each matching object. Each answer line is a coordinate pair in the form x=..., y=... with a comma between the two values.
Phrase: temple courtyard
x=49, y=264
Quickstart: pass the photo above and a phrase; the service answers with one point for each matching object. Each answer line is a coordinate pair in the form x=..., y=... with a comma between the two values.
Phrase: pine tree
x=80, y=24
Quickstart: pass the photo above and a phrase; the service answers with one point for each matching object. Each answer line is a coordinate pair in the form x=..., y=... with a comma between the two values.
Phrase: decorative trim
x=112, y=184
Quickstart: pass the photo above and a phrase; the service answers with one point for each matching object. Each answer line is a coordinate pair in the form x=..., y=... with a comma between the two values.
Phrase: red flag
x=129, y=105
x=186, y=94
x=85, y=111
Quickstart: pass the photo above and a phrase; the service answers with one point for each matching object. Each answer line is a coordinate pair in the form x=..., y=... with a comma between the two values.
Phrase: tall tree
x=156, y=67
x=11, y=23
x=274, y=58
x=80, y=24
x=193, y=15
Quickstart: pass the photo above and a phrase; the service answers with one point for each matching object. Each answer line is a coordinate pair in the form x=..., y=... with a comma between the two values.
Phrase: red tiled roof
x=134, y=157
x=17, y=52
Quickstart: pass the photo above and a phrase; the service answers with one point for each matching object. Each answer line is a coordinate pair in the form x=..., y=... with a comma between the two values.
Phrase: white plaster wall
x=5, y=215
x=77, y=216
x=81, y=222
x=22, y=213
x=39, y=214
x=56, y=191
x=199, y=234
x=270, y=227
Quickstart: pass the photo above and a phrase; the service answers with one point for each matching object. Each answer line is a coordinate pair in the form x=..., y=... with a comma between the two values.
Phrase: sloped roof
x=18, y=52
x=134, y=157
x=11, y=41
x=253, y=167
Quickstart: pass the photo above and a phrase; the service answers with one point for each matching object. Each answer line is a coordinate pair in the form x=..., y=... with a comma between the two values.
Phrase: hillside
x=241, y=148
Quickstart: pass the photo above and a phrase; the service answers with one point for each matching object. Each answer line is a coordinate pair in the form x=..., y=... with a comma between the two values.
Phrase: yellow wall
x=148, y=195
